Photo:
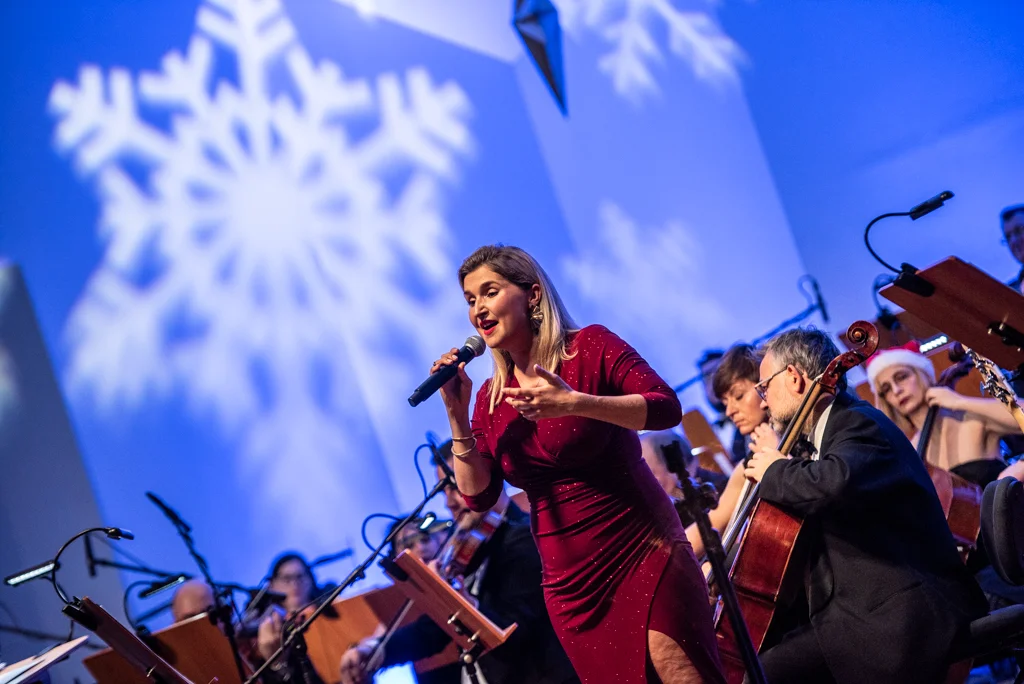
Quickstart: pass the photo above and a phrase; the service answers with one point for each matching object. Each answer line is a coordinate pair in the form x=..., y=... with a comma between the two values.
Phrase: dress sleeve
x=624, y=371
x=480, y=424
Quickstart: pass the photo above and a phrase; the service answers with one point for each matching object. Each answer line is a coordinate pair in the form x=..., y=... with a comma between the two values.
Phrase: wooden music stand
x=29, y=669
x=355, y=618
x=705, y=443
x=195, y=647
x=969, y=306
x=471, y=631
x=141, y=657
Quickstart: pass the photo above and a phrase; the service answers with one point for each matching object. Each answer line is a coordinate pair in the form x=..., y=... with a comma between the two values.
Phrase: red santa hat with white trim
x=908, y=354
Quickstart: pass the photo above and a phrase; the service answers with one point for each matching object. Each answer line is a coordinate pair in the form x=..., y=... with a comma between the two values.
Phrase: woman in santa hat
x=967, y=430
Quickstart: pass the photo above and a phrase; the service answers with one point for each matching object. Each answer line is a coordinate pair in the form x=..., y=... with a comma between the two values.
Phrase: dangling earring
x=536, y=318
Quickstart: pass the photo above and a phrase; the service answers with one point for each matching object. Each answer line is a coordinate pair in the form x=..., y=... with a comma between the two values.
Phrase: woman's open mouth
x=487, y=327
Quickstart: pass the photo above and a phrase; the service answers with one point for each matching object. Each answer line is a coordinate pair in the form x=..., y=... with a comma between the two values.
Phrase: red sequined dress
x=609, y=538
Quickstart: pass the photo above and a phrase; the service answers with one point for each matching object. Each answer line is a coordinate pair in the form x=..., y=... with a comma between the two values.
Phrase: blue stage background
x=244, y=266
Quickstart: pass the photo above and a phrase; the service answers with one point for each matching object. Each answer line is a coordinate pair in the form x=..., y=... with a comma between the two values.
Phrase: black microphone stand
x=221, y=612
x=297, y=634
x=814, y=305
x=698, y=500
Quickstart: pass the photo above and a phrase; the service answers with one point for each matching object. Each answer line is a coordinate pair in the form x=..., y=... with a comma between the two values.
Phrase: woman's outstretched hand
x=553, y=398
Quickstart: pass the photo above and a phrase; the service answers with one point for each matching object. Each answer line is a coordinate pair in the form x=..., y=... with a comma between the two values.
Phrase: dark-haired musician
x=886, y=591
x=504, y=579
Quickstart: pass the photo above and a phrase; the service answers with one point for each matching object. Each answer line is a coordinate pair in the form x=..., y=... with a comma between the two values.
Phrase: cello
x=764, y=550
x=960, y=499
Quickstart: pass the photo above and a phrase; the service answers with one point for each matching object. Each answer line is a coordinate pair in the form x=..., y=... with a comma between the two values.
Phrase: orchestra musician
x=504, y=581
x=732, y=384
x=1013, y=237
x=967, y=429
x=292, y=576
x=193, y=597
x=886, y=590
x=651, y=450
x=725, y=429
x=422, y=543
x=558, y=418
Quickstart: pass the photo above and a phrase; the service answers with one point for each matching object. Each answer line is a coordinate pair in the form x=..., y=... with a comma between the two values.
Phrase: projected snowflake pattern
x=627, y=25
x=255, y=250
x=630, y=26
x=663, y=265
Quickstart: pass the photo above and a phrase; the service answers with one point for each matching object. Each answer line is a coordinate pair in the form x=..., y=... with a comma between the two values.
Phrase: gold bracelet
x=463, y=439
x=467, y=452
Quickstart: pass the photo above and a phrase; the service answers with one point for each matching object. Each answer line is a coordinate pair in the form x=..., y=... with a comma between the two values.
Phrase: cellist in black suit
x=886, y=591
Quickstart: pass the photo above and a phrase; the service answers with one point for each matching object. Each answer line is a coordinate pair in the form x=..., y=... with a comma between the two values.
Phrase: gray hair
x=809, y=349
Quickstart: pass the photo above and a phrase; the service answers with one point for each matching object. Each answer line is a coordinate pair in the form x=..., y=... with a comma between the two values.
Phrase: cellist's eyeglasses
x=762, y=387
x=1013, y=235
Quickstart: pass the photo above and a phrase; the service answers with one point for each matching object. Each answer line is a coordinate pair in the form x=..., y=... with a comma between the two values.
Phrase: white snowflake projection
x=648, y=280
x=266, y=222
x=629, y=26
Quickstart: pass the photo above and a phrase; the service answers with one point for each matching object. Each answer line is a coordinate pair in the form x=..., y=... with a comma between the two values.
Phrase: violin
x=764, y=554
x=960, y=499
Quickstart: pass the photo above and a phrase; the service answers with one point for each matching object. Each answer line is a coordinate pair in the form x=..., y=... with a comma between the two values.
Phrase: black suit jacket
x=886, y=591
x=510, y=592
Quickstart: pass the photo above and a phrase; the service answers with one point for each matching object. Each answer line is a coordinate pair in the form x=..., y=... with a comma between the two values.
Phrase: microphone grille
x=476, y=344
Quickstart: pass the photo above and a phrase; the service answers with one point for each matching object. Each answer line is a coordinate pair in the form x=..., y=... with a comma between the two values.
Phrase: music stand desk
x=971, y=307
x=195, y=647
x=471, y=630
x=94, y=618
x=38, y=664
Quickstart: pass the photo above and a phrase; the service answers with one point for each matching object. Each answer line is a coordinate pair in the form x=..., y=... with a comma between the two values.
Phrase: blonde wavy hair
x=523, y=271
x=902, y=422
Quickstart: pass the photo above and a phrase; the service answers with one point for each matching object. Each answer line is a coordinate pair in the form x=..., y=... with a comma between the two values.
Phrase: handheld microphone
x=169, y=512
x=90, y=559
x=930, y=205
x=473, y=348
x=820, y=301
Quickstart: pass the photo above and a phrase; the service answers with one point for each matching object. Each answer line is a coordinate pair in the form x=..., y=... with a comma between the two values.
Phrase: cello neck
x=926, y=432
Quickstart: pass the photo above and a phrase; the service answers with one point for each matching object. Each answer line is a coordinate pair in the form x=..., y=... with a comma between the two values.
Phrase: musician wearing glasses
x=503, y=579
x=1013, y=237
x=292, y=576
x=886, y=591
x=733, y=384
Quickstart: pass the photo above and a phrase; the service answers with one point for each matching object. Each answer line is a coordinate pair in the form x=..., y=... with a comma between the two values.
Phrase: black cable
x=881, y=280
x=56, y=561
x=416, y=461
x=124, y=602
x=867, y=240
x=362, y=530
